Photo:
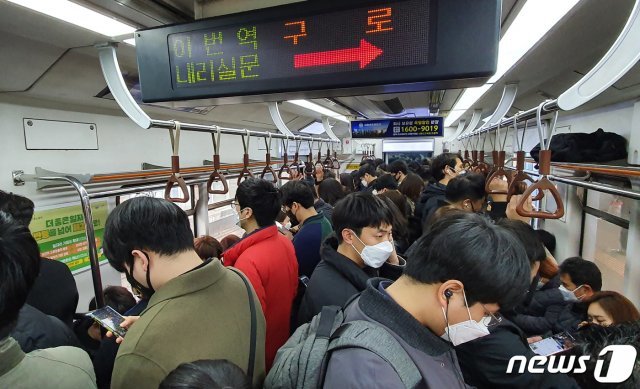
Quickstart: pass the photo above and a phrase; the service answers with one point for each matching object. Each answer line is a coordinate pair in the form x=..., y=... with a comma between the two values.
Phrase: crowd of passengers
x=446, y=283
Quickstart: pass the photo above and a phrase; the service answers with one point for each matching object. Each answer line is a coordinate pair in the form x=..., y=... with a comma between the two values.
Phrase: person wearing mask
x=55, y=292
x=466, y=192
x=360, y=248
x=560, y=309
x=207, y=247
x=610, y=308
x=368, y=176
x=399, y=170
x=447, y=294
x=331, y=191
x=266, y=257
x=197, y=309
x=444, y=168
x=505, y=339
x=297, y=203
x=59, y=367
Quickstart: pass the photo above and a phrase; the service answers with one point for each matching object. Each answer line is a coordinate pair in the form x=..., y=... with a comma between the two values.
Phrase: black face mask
x=145, y=292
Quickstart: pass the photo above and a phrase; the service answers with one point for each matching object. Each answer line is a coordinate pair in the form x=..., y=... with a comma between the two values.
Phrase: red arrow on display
x=364, y=54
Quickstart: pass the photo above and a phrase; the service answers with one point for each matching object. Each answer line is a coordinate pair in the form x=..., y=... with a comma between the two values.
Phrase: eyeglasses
x=491, y=319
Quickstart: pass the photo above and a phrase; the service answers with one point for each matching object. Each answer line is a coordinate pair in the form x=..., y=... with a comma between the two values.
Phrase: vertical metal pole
x=90, y=233
x=201, y=214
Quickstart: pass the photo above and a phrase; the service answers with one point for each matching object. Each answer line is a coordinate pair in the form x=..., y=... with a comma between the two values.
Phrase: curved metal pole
x=90, y=234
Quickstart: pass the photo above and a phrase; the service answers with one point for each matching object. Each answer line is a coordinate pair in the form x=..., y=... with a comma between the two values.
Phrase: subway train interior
x=103, y=101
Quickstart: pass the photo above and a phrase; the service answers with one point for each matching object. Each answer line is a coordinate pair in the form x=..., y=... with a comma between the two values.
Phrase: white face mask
x=569, y=295
x=239, y=220
x=363, y=182
x=375, y=256
x=465, y=331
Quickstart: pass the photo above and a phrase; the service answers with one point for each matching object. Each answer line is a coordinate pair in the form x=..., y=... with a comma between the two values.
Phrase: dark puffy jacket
x=35, y=330
x=432, y=198
x=598, y=146
x=336, y=279
x=496, y=349
x=324, y=208
x=54, y=292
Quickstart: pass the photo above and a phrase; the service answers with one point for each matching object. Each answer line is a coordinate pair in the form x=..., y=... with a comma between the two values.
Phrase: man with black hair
x=266, y=257
x=368, y=176
x=298, y=204
x=560, y=309
x=384, y=183
x=444, y=168
x=59, y=367
x=484, y=361
x=450, y=289
x=360, y=248
x=399, y=170
x=55, y=292
x=196, y=310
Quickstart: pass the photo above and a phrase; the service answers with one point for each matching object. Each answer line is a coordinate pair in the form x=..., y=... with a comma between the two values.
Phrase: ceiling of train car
x=55, y=62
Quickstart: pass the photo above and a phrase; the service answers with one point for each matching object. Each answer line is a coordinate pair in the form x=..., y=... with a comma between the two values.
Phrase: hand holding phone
x=108, y=318
x=553, y=345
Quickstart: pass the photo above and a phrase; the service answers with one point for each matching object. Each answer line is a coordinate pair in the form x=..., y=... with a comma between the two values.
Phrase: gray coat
x=357, y=368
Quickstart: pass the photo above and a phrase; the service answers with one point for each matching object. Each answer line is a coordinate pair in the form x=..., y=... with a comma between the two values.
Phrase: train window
x=606, y=227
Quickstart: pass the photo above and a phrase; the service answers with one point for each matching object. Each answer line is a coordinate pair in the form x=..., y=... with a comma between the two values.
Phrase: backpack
x=599, y=146
x=302, y=361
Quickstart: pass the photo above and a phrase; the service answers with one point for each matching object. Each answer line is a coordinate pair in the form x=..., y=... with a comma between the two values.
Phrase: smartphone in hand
x=555, y=344
x=110, y=319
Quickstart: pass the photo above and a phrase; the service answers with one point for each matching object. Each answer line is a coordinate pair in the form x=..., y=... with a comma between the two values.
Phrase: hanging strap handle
x=498, y=163
x=216, y=175
x=245, y=173
x=545, y=169
x=285, y=160
x=308, y=166
x=334, y=158
x=176, y=178
x=518, y=183
x=319, y=155
x=267, y=167
x=328, y=162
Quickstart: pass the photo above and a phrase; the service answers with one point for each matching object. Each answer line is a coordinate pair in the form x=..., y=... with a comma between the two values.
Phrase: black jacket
x=324, y=208
x=336, y=279
x=35, y=330
x=55, y=292
x=433, y=197
x=484, y=361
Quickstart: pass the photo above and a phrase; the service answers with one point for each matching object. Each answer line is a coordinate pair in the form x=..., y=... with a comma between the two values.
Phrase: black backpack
x=599, y=146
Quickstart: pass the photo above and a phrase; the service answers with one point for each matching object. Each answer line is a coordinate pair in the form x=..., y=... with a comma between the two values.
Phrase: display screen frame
x=464, y=39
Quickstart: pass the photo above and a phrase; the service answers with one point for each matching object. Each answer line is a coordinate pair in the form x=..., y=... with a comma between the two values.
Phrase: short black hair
x=527, y=236
x=206, y=374
x=466, y=186
x=359, y=210
x=262, y=197
x=548, y=239
x=398, y=166
x=582, y=272
x=346, y=180
x=117, y=297
x=18, y=207
x=440, y=162
x=367, y=168
x=145, y=223
x=385, y=181
x=489, y=261
x=19, y=268
x=331, y=191
x=591, y=339
x=298, y=192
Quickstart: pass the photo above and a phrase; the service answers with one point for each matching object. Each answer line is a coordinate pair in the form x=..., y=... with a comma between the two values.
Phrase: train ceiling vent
x=390, y=107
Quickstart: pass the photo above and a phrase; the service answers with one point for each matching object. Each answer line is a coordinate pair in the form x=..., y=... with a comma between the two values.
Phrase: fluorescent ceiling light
x=314, y=128
x=319, y=109
x=468, y=98
x=73, y=13
x=533, y=21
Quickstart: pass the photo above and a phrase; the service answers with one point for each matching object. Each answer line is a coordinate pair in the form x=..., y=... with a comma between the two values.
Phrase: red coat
x=268, y=259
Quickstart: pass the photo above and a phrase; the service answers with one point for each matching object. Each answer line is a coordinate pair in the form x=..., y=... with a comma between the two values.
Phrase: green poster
x=60, y=234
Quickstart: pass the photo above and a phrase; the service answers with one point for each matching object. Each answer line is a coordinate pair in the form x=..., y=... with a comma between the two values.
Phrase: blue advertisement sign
x=398, y=128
